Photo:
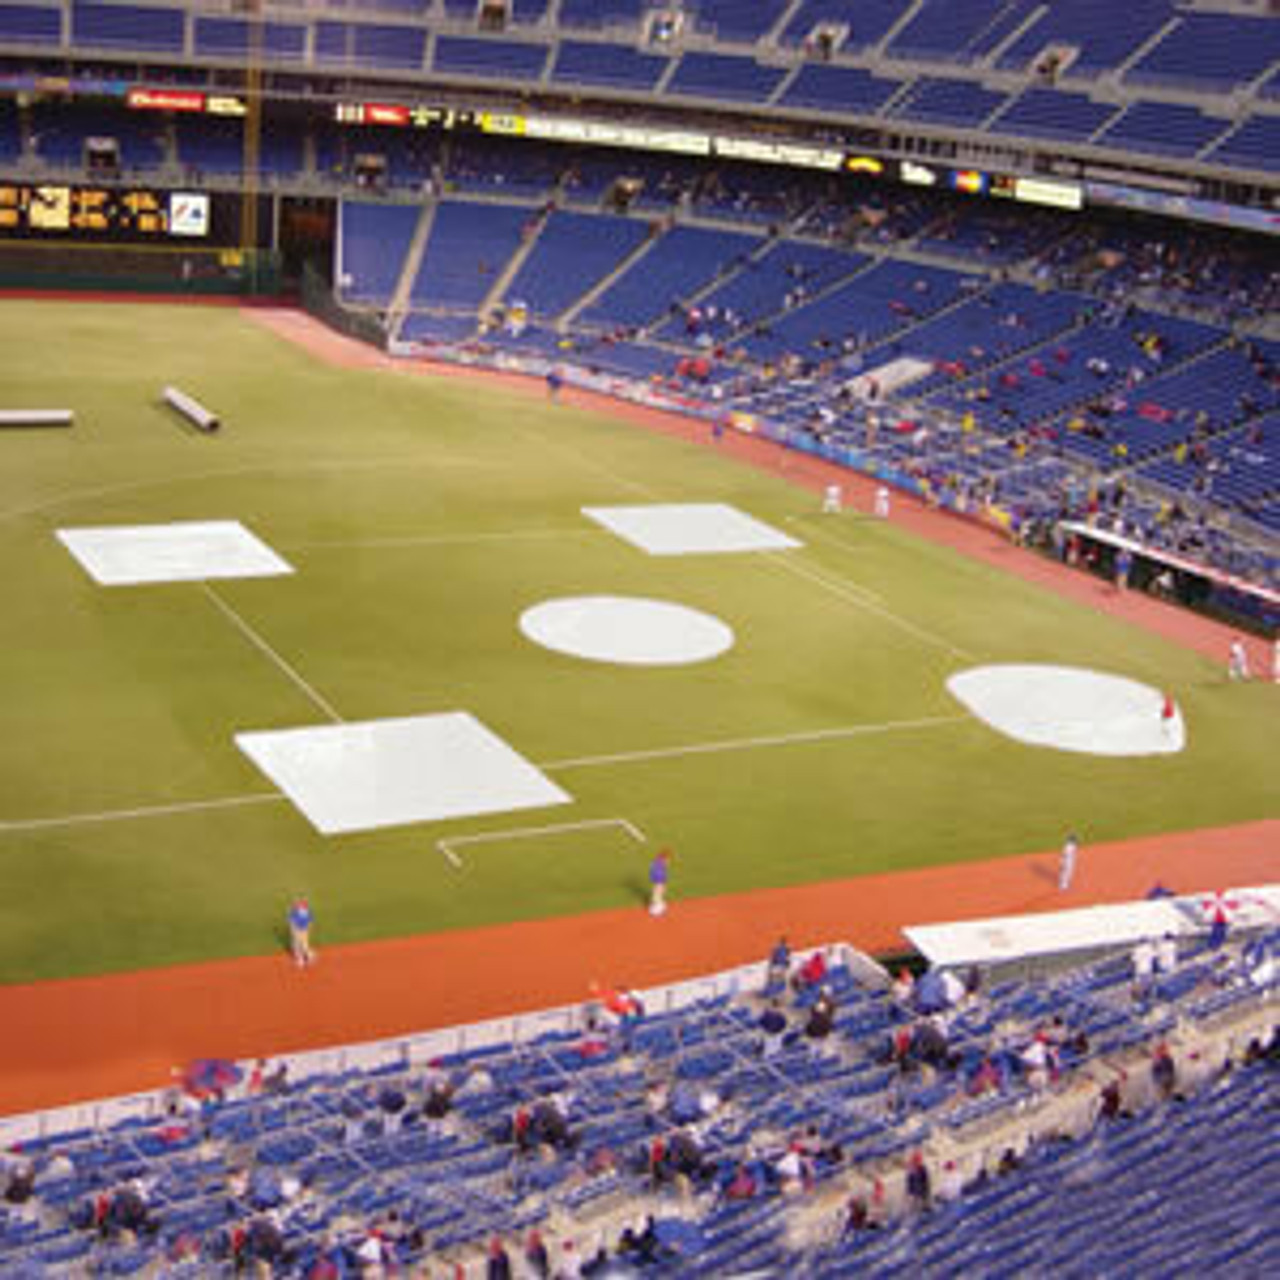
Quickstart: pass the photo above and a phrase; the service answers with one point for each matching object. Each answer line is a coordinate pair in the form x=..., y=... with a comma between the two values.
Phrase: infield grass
x=423, y=517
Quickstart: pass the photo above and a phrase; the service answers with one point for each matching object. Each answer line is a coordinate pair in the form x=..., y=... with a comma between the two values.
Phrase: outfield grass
x=125, y=698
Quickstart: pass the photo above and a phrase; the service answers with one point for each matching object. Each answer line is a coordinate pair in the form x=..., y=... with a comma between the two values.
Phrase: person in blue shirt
x=300, y=932
x=659, y=874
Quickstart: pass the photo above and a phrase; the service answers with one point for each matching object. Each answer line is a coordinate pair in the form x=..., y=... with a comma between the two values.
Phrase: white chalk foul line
x=263, y=647
x=149, y=811
x=787, y=561
x=811, y=528
x=446, y=845
x=748, y=744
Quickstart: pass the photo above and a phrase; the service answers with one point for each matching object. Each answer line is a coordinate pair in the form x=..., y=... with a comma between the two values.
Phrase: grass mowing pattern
x=423, y=518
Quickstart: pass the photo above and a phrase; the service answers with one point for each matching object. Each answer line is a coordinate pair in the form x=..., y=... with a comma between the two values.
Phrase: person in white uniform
x=832, y=500
x=1237, y=661
x=882, y=502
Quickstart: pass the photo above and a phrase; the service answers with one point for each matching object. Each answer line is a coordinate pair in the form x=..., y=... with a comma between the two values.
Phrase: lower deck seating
x=689, y=1115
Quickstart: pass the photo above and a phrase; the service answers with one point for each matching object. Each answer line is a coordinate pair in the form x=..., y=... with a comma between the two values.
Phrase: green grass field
x=386, y=492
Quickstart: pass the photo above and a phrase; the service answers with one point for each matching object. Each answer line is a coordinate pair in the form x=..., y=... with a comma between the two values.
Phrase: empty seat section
x=956, y=29
x=365, y=44
x=1053, y=113
x=127, y=26
x=1101, y=32
x=375, y=240
x=942, y=101
x=849, y=89
x=574, y=251
x=868, y=21
x=590, y=62
x=716, y=75
x=1213, y=51
x=10, y=134
x=679, y=264
x=30, y=24
x=736, y=21
x=60, y=133
x=475, y=56
x=466, y=251
x=783, y=277
x=1254, y=145
x=229, y=38
x=872, y=305
x=600, y=13
x=504, y=165
x=1163, y=128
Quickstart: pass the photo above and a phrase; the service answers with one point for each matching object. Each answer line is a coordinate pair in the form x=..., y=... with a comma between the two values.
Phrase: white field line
x=150, y=811
x=748, y=744
x=931, y=638
x=446, y=845
x=442, y=539
x=263, y=647
x=811, y=528
x=219, y=473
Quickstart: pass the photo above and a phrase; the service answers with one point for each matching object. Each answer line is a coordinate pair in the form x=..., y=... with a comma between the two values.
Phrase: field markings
x=442, y=539
x=749, y=744
x=448, y=844
x=148, y=811
x=262, y=646
x=842, y=590
x=811, y=529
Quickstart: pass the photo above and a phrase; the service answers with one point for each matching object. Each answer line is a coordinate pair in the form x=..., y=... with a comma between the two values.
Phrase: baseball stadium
x=642, y=638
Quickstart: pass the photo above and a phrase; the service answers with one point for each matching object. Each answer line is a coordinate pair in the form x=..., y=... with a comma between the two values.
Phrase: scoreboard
x=111, y=212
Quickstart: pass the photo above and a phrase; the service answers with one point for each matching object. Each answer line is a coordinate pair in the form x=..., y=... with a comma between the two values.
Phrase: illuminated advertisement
x=1056, y=194
x=188, y=214
x=917, y=175
x=972, y=182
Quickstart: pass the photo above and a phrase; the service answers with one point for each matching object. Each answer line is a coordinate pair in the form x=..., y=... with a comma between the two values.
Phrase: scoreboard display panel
x=136, y=214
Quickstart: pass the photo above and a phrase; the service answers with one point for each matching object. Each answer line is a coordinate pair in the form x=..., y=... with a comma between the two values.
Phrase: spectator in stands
x=918, y=1182
x=1039, y=1061
x=536, y=1257
x=1143, y=960
x=793, y=1171
x=1111, y=1100
x=779, y=965
x=813, y=973
x=821, y=1020
x=742, y=1186
x=21, y=1183
x=438, y=1095
x=950, y=1183
x=1164, y=1071
x=773, y=1026
x=498, y=1262
x=1167, y=954
x=903, y=987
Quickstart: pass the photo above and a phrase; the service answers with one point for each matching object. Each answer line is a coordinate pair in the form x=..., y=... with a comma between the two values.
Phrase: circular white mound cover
x=1071, y=709
x=624, y=629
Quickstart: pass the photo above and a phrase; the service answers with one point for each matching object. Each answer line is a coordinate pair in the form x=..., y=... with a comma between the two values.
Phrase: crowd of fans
x=698, y=1149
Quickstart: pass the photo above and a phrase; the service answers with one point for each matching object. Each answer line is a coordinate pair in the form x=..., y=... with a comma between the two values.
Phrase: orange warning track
x=94, y=1037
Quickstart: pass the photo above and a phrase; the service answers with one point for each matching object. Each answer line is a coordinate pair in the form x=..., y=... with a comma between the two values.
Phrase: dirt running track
x=84, y=1038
